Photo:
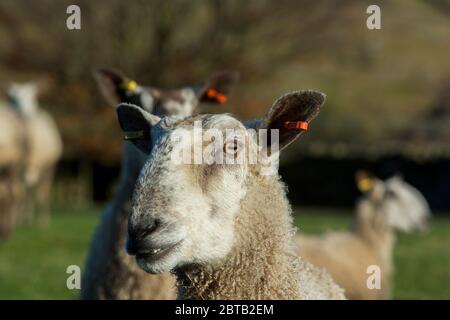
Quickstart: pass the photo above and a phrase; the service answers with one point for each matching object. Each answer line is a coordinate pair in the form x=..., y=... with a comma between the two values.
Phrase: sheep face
x=184, y=208
x=24, y=97
x=400, y=205
x=184, y=213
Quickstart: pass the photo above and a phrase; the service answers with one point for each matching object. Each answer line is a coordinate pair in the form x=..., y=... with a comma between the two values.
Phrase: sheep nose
x=137, y=237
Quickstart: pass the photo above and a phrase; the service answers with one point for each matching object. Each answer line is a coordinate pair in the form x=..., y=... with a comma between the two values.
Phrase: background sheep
x=12, y=151
x=44, y=149
x=385, y=207
x=230, y=237
x=110, y=273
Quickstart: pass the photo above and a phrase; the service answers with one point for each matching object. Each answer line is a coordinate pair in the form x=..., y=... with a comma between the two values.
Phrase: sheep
x=109, y=272
x=12, y=151
x=225, y=230
x=385, y=206
x=44, y=149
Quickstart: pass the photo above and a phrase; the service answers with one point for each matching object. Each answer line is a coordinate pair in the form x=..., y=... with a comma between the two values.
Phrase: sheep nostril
x=144, y=232
x=138, y=237
x=152, y=228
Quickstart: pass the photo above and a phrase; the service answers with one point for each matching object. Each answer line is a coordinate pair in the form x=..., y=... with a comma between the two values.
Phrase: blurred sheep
x=43, y=149
x=110, y=273
x=386, y=206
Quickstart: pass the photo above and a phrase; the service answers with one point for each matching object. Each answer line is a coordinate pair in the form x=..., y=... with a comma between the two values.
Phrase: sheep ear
x=216, y=88
x=114, y=85
x=291, y=114
x=365, y=181
x=136, y=124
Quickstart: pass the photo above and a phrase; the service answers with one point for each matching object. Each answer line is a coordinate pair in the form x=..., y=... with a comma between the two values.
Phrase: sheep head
x=392, y=202
x=24, y=96
x=118, y=88
x=190, y=189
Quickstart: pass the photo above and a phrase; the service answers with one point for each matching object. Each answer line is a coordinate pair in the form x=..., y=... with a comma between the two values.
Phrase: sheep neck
x=132, y=162
x=262, y=264
x=377, y=234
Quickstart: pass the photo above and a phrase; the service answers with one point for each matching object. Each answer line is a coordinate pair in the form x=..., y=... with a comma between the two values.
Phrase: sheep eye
x=232, y=147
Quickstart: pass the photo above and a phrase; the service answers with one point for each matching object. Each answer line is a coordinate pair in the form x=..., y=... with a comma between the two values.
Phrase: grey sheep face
x=184, y=213
x=118, y=88
x=400, y=205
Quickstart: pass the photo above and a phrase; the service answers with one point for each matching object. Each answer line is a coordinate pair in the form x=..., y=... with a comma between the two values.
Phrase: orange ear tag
x=215, y=95
x=300, y=125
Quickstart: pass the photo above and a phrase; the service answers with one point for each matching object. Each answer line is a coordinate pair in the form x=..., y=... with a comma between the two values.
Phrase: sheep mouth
x=153, y=254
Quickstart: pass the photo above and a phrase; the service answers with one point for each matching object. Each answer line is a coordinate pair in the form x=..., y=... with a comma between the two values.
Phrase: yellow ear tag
x=130, y=85
x=133, y=135
x=365, y=184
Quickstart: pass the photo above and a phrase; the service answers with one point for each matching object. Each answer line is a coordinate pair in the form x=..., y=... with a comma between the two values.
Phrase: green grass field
x=33, y=262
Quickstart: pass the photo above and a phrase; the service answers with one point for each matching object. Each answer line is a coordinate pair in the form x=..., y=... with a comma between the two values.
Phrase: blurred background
x=387, y=111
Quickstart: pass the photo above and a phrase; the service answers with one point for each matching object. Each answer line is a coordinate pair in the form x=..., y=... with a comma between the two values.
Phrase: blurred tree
x=372, y=78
